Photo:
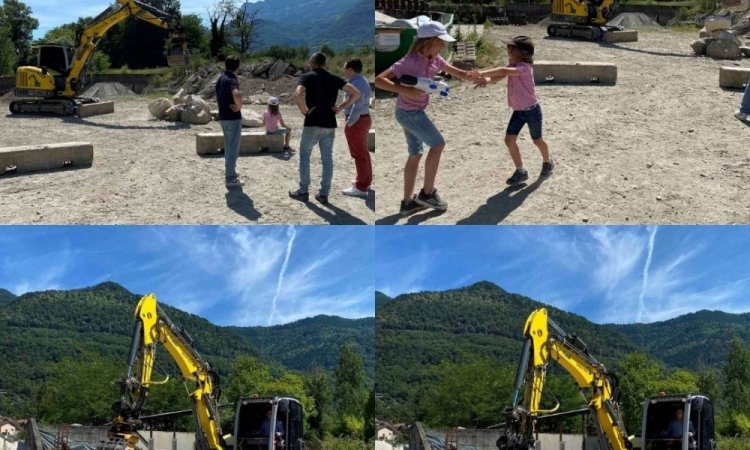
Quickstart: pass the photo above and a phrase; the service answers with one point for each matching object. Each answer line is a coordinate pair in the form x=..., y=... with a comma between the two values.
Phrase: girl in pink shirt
x=423, y=60
x=271, y=120
x=523, y=101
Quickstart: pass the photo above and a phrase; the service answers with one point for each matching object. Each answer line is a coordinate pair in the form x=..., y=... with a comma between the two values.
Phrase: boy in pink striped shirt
x=523, y=101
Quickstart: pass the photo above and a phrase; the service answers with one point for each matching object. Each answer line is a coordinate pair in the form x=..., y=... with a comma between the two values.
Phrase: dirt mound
x=109, y=90
x=634, y=21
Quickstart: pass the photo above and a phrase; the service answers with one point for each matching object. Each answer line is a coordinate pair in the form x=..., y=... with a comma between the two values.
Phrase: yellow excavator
x=153, y=327
x=585, y=19
x=52, y=86
x=545, y=342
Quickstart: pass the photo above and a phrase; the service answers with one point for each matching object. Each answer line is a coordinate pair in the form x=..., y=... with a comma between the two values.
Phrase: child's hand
x=474, y=75
x=481, y=82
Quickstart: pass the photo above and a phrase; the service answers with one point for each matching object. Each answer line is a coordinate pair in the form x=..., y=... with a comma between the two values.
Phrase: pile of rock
x=191, y=109
x=719, y=39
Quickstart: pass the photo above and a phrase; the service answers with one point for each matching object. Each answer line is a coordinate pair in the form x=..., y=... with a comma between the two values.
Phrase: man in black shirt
x=316, y=96
x=229, y=98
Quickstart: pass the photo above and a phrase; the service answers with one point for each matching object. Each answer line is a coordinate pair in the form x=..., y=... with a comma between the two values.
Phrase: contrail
x=641, y=305
x=292, y=232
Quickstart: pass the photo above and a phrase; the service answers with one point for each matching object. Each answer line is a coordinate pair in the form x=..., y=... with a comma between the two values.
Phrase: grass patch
x=488, y=54
x=333, y=443
x=127, y=71
x=734, y=443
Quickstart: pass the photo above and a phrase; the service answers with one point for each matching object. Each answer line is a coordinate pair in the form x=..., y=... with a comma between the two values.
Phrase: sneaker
x=547, y=168
x=352, y=191
x=301, y=196
x=740, y=116
x=322, y=198
x=518, y=176
x=410, y=207
x=235, y=183
x=431, y=201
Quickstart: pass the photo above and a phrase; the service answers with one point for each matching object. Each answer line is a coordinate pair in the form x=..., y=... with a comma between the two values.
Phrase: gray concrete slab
x=251, y=142
x=96, y=109
x=562, y=72
x=31, y=158
x=734, y=77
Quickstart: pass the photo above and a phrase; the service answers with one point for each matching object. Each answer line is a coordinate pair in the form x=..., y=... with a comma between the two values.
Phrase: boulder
x=745, y=50
x=158, y=107
x=251, y=119
x=262, y=69
x=209, y=90
x=699, y=46
x=179, y=97
x=725, y=35
x=721, y=49
x=173, y=114
x=714, y=23
x=195, y=115
x=704, y=33
x=198, y=102
x=277, y=70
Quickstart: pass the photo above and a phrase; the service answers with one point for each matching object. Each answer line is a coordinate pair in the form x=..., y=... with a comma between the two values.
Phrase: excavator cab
x=678, y=422
x=268, y=423
x=179, y=55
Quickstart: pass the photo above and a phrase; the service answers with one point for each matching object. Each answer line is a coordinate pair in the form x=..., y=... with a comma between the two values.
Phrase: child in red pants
x=358, y=124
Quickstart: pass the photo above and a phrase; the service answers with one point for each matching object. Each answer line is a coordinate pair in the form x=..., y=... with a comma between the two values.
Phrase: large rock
x=209, y=90
x=158, y=107
x=714, y=23
x=724, y=35
x=179, y=97
x=721, y=49
x=699, y=46
x=262, y=70
x=704, y=33
x=198, y=102
x=277, y=70
x=251, y=119
x=173, y=114
x=195, y=115
x=745, y=50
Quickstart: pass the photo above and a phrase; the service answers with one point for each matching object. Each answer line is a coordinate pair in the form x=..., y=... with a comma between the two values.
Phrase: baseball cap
x=523, y=43
x=434, y=29
x=273, y=101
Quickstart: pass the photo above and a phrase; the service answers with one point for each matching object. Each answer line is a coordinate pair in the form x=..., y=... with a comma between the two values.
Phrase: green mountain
x=690, y=340
x=292, y=23
x=419, y=330
x=314, y=341
x=41, y=328
x=381, y=299
x=6, y=296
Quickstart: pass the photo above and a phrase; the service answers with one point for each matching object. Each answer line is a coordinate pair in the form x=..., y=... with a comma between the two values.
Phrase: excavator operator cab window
x=664, y=431
x=250, y=421
x=54, y=57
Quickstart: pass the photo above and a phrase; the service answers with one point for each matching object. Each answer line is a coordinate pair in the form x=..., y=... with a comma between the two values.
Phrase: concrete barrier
x=734, y=77
x=558, y=72
x=31, y=158
x=371, y=140
x=251, y=142
x=96, y=109
x=612, y=37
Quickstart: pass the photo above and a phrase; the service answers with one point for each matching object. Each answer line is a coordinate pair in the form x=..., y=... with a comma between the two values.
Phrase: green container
x=387, y=55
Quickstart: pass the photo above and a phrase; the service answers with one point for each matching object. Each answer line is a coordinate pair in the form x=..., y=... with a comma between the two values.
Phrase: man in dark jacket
x=229, y=98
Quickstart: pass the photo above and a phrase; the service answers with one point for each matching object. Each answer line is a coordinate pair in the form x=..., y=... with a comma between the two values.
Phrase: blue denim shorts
x=278, y=131
x=532, y=117
x=418, y=129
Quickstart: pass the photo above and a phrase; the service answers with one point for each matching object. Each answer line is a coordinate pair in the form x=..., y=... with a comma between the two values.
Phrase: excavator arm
x=153, y=327
x=544, y=342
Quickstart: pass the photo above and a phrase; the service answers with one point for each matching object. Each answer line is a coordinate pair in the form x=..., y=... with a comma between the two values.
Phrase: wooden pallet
x=465, y=55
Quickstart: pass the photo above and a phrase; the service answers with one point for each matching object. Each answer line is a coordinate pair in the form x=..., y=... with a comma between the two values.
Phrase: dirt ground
x=148, y=172
x=662, y=146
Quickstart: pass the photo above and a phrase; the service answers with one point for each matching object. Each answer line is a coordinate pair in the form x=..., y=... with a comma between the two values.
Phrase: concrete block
x=612, y=37
x=371, y=140
x=96, y=109
x=557, y=72
x=734, y=77
x=31, y=158
x=251, y=142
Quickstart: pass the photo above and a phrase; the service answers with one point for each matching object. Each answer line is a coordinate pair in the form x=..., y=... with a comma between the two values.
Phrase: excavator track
x=57, y=107
x=587, y=32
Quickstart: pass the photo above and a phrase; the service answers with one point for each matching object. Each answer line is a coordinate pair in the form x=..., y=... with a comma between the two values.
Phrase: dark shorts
x=532, y=117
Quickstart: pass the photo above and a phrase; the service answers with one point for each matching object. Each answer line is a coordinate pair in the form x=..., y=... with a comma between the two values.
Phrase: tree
x=639, y=378
x=242, y=29
x=17, y=18
x=737, y=378
x=7, y=52
x=78, y=391
x=350, y=391
x=708, y=382
x=318, y=388
x=217, y=17
x=195, y=34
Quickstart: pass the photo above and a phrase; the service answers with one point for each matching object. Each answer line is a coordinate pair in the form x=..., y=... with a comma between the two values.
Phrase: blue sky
x=52, y=13
x=606, y=274
x=230, y=275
